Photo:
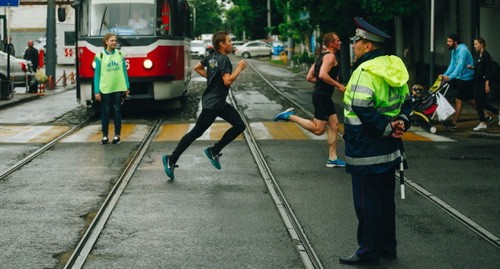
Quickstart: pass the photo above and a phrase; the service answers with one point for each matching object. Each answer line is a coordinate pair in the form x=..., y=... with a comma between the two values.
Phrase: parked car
x=237, y=43
x=40, y=43
x=253, y=49
x=20, y=70
x=198, y=49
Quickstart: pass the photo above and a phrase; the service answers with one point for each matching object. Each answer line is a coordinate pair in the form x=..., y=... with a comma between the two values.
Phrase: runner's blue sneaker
x=214, y=159
x=169, y=168
x=335, y=163
x=285, y=115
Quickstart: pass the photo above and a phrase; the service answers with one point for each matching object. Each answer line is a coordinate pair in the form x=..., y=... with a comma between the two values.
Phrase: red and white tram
x=153, y=34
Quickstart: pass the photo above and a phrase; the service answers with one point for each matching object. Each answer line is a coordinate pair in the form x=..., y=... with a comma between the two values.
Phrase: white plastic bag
x=444, y=109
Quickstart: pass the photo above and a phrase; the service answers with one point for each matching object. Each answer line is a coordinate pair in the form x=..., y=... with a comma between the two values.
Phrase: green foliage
x=384, y=10
x=338, y=15
x=235, y=21
x=304, y=58
x=206, y=16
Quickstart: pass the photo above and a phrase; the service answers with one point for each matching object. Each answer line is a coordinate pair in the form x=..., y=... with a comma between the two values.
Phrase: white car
x=253, y=49
x=237, y=43
x=198, y=49
x=21, y=70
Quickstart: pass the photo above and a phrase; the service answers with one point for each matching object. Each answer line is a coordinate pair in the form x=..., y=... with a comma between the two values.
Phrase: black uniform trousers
x=376, y=211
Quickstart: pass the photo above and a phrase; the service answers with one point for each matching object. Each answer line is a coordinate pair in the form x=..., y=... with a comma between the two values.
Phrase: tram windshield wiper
x=103, y=22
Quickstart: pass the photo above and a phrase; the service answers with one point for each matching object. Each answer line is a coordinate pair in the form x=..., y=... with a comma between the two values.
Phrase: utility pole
x=269, y=18
x=290, y=39
x=50, y=54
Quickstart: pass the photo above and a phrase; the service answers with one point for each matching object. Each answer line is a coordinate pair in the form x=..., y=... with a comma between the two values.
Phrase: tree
x=337, y=15
x=235, y=21
x=251, y=16
x=206, y=16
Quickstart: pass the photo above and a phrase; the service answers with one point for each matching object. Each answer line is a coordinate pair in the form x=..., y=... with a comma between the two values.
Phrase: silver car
x=253, y=49
x=198, y=49
x=21, y=71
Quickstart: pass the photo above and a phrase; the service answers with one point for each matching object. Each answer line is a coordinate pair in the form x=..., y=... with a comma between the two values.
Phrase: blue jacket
x=460, y=58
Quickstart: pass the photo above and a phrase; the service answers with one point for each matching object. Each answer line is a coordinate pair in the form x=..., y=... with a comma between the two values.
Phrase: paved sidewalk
x=20, y=96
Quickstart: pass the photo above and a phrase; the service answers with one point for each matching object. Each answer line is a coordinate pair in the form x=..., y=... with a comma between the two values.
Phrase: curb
x=23, y=98
x=15, y=101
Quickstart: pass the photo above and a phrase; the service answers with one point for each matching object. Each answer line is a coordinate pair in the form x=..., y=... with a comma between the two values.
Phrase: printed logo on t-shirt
x=212, y=63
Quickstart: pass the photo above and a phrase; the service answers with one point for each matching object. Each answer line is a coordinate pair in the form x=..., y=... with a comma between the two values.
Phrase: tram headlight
x=148, y=64
x=93, y=65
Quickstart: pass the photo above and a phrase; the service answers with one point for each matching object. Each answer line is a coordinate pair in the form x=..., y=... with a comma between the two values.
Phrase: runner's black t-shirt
x=216, y=92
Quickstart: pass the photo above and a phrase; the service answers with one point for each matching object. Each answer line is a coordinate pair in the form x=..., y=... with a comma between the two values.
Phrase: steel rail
x=95, y=228
x=468, y=222
x=41, y=150
x=297, y=234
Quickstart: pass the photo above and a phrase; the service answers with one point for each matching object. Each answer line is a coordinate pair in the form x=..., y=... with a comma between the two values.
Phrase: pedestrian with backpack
x=111, y=85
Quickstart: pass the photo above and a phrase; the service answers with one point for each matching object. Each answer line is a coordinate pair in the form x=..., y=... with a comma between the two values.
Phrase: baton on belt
x=402, y=178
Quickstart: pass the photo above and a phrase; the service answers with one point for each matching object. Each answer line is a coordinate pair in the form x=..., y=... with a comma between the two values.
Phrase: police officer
x=376, y=114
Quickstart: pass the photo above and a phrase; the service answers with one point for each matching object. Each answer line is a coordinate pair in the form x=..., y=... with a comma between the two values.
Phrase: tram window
x=123, y=17
x=69, y=38
x=83, y=24
x=164, y=16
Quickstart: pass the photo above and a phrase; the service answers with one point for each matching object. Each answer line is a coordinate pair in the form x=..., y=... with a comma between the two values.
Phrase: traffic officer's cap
x=368, y=32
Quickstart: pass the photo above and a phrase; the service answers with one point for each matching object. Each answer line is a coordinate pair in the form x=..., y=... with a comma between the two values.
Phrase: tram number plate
x=68, y=52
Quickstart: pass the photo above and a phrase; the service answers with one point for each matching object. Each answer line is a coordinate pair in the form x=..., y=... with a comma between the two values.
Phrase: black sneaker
x=116, y=140
x=104, y=140
x=489, y=120
x=214, y=158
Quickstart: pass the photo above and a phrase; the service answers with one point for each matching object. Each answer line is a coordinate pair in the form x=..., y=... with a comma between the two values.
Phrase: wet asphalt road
x=210, y=218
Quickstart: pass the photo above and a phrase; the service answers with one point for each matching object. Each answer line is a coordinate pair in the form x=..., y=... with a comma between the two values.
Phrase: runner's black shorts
x=463, y=88
x=323, y=106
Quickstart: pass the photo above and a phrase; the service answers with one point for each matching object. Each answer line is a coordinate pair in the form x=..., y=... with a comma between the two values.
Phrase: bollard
x=51, y=84
x=64, y=78
x=72, y=77
x=41, y=89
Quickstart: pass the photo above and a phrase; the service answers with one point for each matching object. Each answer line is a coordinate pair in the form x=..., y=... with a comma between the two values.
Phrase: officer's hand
x=398, y=128
x=98, y=97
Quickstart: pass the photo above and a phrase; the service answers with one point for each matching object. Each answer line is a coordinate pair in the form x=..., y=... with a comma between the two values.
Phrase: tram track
x=293, y=226
x=88, y=240
x=434, y=199
x=42, y=149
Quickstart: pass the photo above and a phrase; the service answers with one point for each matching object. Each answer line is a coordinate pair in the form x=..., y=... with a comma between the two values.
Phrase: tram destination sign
x=9, y=3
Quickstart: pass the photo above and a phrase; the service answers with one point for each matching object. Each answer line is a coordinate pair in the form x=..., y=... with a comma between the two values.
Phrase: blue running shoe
x=285, y=115
x=214, y=159
x=335, y=163
x=169, y=168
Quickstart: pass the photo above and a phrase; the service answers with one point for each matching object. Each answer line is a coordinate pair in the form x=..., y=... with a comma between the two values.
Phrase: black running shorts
x=323, y=106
